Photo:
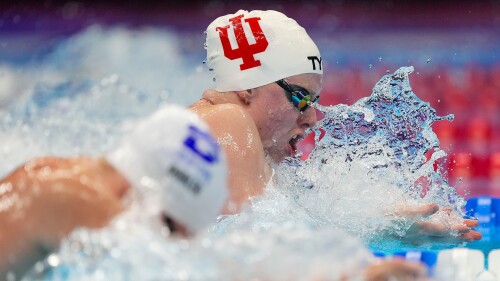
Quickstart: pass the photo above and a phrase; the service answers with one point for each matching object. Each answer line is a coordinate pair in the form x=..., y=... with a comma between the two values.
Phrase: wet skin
x=256, y=127
x=45, y=199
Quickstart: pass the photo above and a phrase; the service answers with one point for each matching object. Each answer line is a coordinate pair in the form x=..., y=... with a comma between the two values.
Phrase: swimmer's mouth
x=294, y=141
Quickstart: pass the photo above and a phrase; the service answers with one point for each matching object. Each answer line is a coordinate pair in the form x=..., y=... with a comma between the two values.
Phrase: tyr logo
x=315, y=59
x=245, y=51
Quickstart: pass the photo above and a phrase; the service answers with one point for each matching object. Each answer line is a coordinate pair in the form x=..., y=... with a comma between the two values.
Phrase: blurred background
x=453, y=45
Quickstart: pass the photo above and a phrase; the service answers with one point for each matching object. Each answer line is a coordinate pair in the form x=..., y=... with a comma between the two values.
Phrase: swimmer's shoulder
x=225, y=117
x=40, y=165
x=48, y=169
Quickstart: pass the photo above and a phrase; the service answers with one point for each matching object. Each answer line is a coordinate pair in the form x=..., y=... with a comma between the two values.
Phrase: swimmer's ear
x=245, y=96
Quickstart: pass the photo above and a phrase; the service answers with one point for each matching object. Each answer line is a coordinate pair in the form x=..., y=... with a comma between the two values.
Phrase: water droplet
x=53, y=260
x=206, y=243
x=113, y=78
x=370, y=65
x=428, y=60
x=387, y=71
x=104, y=82
x=379, y=58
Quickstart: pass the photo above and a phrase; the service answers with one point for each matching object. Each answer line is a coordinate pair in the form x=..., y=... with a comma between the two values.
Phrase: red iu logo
x=245, y=51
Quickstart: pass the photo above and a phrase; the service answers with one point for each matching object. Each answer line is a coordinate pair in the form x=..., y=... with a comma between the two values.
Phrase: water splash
x=393, y=114
x=373, y=156
x=77, y=98
x=134, y=247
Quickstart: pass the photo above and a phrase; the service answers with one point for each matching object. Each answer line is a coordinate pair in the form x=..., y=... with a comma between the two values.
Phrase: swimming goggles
x=298, y=96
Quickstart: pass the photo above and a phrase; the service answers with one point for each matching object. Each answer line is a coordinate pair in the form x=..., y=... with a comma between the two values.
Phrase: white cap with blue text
x=173, y=151
x=251, y=49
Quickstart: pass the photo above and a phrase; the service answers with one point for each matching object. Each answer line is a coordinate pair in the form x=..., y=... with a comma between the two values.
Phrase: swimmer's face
x=281, y=126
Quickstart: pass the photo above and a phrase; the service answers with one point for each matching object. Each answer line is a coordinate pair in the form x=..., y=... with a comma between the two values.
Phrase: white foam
x=73, y=100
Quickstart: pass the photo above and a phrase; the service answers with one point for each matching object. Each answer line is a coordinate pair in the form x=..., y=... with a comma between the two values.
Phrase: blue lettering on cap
x=202, y=144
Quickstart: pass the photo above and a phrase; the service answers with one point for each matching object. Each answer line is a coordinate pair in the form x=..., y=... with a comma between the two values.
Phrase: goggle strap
x=297, y=97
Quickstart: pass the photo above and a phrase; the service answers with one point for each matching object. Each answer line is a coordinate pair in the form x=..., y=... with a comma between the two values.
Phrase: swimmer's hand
x=448, y=226
x=395, y=269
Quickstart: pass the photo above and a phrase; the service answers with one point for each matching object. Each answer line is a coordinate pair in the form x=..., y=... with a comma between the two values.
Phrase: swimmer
x=171, y=152
x=260, y=107
x=268, y=75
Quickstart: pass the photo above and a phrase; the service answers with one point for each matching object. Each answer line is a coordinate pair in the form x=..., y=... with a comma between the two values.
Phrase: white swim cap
x=173, y=151
x=251, y=49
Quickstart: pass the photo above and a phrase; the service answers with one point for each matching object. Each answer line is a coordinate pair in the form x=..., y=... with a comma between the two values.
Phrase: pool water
x=80, y=98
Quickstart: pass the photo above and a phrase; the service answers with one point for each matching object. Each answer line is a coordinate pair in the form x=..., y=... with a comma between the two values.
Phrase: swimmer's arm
x=17, y=245
x=248, y=171
x=387, y=270
x=395, y=269
x=46, y=199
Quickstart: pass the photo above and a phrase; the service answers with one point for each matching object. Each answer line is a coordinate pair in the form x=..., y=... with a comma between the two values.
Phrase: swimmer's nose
x=308, y=118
